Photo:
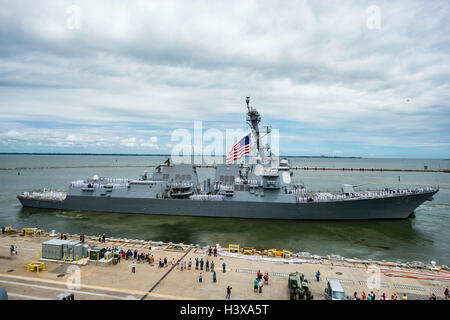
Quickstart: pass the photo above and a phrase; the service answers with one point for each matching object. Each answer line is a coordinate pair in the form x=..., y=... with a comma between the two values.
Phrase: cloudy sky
x=338, y=78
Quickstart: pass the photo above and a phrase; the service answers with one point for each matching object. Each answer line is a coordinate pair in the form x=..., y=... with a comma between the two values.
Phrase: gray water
x=422, y=238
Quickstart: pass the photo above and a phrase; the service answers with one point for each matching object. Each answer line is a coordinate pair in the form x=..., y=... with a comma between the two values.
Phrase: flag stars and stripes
x=239, y=149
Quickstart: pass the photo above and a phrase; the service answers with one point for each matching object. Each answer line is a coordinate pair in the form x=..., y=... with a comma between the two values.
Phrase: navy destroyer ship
x=263, y=189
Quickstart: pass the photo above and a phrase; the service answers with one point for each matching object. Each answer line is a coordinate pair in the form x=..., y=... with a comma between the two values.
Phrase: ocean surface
x=423, y=238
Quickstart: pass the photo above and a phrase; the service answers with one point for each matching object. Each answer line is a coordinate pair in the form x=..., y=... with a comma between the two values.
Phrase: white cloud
x=129, y=142
x=161, y=65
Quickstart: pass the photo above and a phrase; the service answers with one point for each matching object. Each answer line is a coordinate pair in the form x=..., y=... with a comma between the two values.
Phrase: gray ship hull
x=395, y=207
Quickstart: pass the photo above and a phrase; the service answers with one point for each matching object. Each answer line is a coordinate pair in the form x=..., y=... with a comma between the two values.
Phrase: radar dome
x=259, y=170
x=286, y=177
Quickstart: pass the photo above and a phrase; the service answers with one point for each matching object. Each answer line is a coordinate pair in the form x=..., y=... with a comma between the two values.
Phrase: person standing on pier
x=207, y=265
x=200, y=277
x=260, y=284
x=318, y=275
x=12, y=249
x=201, y=264
x=214, y=277
x=189, y=264
x=228, y=293
x=223, y=266
x=212, y=266
x=215, y=251
x=446, y=293
x=196, y=263
x=133, y=267
x=209, y=251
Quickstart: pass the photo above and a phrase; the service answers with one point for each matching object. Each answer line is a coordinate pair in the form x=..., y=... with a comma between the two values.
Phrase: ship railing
x=82, y=184
x=207, y=197
x=116, y=180
x=362, y=195
x=120, y=185
x=181, y=184
x=271, y=172
x=45, y=195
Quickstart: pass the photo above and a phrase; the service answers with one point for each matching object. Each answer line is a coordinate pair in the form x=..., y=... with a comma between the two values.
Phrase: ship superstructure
x=263, y=189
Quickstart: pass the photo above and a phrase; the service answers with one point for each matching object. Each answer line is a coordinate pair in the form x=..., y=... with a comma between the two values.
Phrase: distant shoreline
x=168, y=155
x=143, y=155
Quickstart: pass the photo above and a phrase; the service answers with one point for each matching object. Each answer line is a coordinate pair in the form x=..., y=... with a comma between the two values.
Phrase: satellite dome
x=259, y=170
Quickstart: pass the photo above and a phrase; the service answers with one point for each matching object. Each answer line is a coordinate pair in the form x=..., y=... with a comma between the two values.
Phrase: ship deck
x=43, y=195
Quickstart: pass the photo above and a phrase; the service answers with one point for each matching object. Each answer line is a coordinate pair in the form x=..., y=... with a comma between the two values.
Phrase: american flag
x=239, y=149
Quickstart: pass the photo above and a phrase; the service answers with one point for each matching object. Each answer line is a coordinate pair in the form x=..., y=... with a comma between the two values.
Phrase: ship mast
x=253, y=119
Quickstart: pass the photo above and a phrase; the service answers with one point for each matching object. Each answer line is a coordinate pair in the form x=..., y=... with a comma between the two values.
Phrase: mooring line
x=165, y=275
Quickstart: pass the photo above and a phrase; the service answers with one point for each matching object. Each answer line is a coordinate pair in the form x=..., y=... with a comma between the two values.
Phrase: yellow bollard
x=98, y=254
x=71, y=258
x=64, y=257
x=83, y=259
x=286, y=253
x=39, y=255
x=76, y=259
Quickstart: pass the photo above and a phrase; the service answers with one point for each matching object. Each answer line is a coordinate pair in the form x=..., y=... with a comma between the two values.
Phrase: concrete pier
x=151, y=282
